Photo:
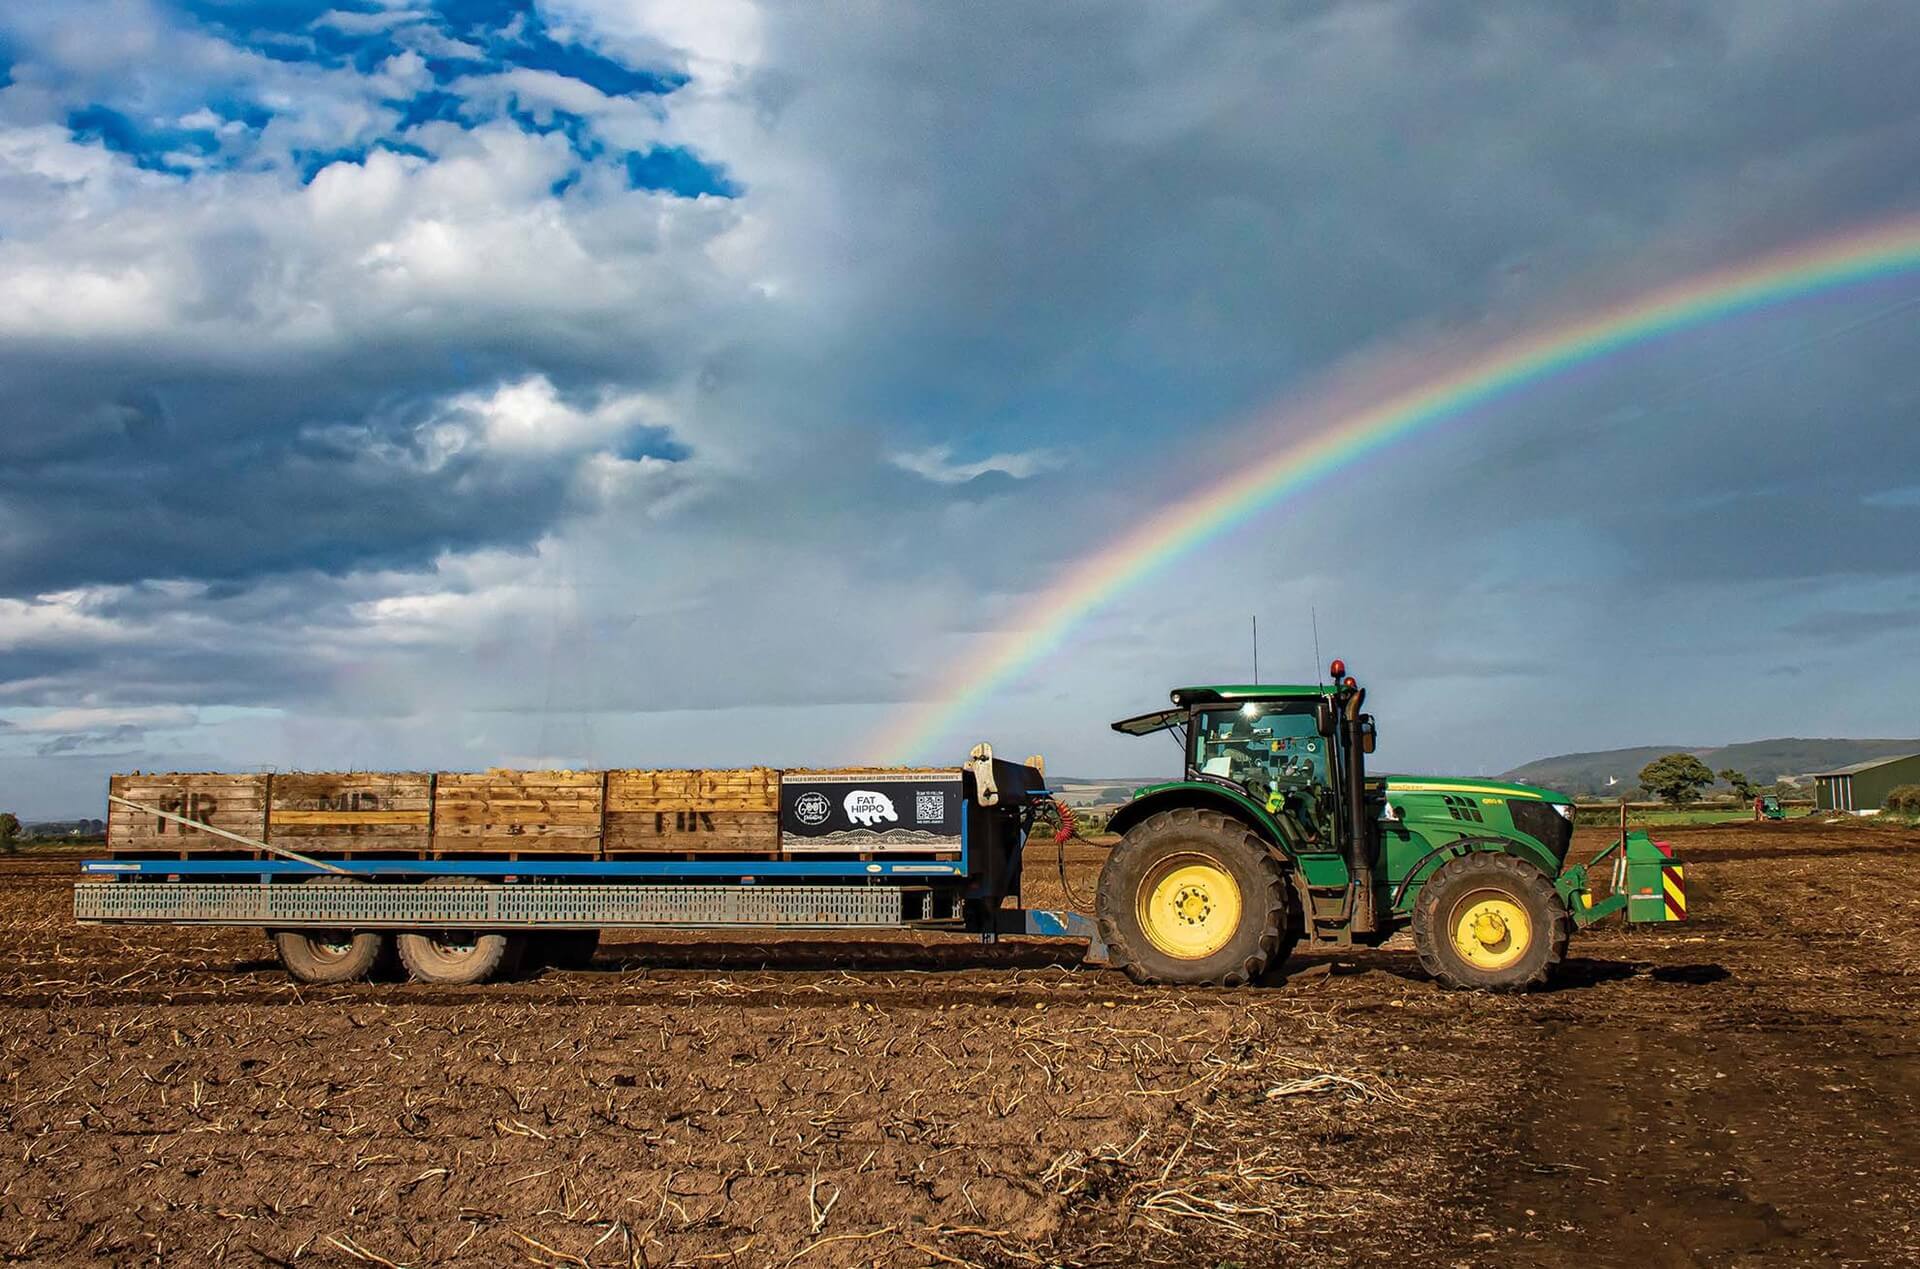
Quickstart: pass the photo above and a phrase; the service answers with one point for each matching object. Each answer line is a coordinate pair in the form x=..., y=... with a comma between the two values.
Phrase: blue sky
x=616, y=382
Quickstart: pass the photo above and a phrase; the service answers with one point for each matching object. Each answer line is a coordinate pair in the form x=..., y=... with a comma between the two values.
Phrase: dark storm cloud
x=1118, y=246
x=119, y=739
x=284, y=499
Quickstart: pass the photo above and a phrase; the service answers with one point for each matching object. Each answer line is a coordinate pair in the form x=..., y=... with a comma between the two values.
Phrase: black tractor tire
x=563, y=949
x=1168, y=841
x=459, y=957
x=329, y=956
x=1448, y=897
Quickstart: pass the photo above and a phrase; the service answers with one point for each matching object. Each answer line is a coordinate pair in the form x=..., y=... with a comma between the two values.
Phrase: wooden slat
x=282, y=818
x=733, y=789
x=693, y=832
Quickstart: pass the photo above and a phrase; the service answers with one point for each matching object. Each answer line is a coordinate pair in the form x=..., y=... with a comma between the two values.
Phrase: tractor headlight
x=1565, y=809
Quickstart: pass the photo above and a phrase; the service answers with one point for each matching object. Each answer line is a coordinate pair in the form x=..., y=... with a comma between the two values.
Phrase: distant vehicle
x=1769, y=808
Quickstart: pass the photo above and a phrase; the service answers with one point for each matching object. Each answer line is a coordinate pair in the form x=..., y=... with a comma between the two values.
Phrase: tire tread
x=1526, y=878
x=1232, y=834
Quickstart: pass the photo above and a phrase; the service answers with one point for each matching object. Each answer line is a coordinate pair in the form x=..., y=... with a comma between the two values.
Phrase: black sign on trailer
x=892, y=812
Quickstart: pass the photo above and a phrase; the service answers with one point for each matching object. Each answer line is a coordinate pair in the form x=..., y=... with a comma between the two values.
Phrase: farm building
x=1864, y=785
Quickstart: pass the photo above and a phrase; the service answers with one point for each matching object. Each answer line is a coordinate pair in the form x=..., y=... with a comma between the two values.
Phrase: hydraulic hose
x=1069, y=829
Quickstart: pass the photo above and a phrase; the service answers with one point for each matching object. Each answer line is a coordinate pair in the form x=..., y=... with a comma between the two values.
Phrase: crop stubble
x=801, y=1101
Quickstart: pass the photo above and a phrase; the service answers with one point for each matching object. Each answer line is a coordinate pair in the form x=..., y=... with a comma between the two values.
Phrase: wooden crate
x=351, y=811
x=237, y=803
x=523, y=812
x=719, y=812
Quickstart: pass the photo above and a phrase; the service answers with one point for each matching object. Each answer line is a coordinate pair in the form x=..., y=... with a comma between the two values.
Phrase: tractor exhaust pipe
x=1362, y=845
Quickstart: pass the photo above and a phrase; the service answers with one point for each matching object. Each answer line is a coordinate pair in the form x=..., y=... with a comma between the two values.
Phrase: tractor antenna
x=1256, y=647
x=1315, y=612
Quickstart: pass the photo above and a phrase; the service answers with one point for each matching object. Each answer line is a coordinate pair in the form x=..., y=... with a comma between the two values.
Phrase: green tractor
x=1768, y=807
x=1275, y=834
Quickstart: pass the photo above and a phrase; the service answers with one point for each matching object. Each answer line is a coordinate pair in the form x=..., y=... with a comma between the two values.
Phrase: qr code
x=929, y=808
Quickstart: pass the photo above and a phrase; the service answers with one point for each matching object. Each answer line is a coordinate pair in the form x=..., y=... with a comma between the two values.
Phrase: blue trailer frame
x=194, y=889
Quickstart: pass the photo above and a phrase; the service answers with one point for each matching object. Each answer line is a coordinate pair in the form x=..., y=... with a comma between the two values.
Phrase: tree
x=1676, y=778
x=1743, y=788
x=9, y=832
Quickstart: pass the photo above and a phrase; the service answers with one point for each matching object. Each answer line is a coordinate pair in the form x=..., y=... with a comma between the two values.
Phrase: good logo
x=812, y=808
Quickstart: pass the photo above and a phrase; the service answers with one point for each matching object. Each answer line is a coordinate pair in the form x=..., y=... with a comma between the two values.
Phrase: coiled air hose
x=1069, y=829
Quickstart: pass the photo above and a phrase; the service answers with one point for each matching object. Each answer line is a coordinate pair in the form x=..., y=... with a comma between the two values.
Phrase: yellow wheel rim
x=1189, y=906
x=1491, y=930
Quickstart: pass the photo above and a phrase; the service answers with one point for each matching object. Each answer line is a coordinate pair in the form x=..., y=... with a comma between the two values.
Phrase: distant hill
x=1763, y=762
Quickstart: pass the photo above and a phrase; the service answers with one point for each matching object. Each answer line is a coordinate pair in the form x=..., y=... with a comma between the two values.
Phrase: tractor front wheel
x=1490, y=922
x=1191, y=896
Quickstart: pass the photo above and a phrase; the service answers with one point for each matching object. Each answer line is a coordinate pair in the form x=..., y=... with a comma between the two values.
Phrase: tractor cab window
x=1273, y=749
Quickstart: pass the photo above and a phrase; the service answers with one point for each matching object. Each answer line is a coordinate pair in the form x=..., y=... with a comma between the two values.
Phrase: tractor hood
x=1497, y=808
x=1469, y=785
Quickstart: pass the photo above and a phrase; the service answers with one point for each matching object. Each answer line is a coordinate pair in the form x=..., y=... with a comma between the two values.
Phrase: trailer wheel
x=458, y=957
x=329, y=956
x=1191, y=896
x=1492, y=922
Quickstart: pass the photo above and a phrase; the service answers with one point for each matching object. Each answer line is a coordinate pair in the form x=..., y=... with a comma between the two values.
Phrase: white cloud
x=718, y=40
x=104, y=718
x=936, y=463
x=66, y=619
x=529, y=417
x=355, y=23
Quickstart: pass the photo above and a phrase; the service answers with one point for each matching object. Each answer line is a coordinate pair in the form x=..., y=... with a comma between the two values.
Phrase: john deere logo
x=812, y=808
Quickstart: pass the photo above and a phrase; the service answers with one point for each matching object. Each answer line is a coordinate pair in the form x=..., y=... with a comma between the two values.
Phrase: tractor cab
x=1276, y=743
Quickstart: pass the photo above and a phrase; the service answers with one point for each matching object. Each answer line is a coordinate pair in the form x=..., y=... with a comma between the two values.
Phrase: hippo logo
x=867, y=808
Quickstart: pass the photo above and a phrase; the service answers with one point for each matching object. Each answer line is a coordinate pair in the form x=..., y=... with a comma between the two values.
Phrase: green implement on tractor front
x=1646, y=882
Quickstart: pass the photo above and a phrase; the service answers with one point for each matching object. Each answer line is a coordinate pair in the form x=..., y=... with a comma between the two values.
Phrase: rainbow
x=1885, y=250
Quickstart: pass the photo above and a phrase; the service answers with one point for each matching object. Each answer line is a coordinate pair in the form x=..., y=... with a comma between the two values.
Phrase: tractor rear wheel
x=1191, y=896
x=1491, y=922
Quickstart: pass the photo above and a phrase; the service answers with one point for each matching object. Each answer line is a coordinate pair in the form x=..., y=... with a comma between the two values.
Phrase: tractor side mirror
x=1323, y=716
x=1368, y=733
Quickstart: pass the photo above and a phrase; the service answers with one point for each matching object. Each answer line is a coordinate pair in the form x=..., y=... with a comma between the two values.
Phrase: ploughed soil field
x=1742, y=1089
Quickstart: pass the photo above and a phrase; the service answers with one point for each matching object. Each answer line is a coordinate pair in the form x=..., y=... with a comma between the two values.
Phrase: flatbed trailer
x=934, y=850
